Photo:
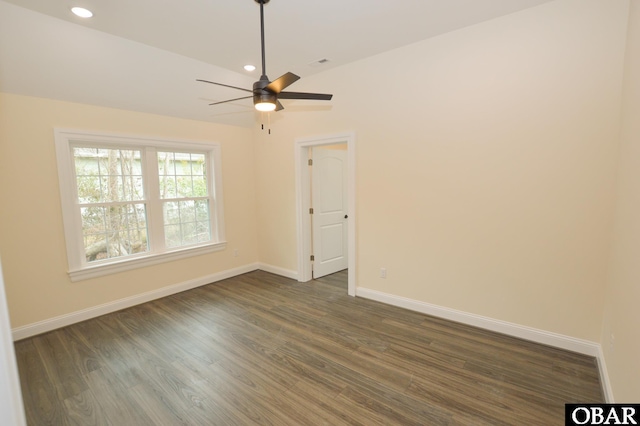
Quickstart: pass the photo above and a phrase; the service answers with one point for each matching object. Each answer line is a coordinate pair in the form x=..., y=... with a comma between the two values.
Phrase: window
x=183, y=191
x=129, y=202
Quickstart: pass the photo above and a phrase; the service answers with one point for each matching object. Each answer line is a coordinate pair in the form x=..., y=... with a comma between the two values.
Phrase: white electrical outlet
x=383, y=272
x=236, y=252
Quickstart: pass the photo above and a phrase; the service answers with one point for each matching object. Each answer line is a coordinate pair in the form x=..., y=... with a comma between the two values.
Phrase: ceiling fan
x=266, y=93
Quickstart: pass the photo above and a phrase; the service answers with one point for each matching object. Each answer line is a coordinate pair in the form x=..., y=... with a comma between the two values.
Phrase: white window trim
x=78, y=270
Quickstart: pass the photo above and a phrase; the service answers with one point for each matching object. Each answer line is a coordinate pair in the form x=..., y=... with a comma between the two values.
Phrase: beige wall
x=31, y=234
x=622, y=315
x=485, y=165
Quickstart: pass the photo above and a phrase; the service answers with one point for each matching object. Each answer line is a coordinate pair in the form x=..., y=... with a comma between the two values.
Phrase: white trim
x=106, y=308
x=303, y=221
x=11, y=404
x=528, y=333
x=303, y=202
x=604, y=377
x=118, y=138
x=216, y=193
x=142, y=261
x=288, y=273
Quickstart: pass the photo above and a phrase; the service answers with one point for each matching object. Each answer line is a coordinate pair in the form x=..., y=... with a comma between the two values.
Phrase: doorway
x=304, y=151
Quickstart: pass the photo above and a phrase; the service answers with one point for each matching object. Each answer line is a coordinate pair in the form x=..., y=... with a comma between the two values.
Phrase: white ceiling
x=144, y=55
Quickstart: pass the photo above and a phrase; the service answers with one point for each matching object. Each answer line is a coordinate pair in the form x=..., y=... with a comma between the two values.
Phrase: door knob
x=346, y=216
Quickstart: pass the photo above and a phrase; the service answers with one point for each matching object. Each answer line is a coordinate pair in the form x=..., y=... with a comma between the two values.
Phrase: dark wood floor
x=262, y=349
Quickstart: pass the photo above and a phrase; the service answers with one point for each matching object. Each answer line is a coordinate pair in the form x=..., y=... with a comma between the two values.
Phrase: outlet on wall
x=383, y=272
x=236, y=252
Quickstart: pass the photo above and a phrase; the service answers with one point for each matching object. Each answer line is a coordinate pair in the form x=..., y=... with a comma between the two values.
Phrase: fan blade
x=231, y=100
x=226, y=85
x=281, y=83
x=279, y=106
x=299, y=95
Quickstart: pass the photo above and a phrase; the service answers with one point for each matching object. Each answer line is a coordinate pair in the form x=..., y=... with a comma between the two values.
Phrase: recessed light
x=82, y=12
x=250, y=67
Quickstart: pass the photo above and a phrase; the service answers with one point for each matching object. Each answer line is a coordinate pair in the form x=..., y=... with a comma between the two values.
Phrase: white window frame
x=79, y=268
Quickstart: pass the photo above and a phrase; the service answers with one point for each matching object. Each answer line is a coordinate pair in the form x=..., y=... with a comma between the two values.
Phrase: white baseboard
x=106, y=308
x=278, y=271
x=540, y=336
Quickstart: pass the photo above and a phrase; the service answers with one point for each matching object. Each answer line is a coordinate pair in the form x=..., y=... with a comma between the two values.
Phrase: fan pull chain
x=268, y=121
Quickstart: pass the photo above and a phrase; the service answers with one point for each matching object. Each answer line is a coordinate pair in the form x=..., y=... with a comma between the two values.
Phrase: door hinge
x=313, y=258
x=310, y=162
x=311, y=210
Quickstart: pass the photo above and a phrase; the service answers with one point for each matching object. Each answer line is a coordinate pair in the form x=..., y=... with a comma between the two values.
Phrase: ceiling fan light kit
x=266, y=93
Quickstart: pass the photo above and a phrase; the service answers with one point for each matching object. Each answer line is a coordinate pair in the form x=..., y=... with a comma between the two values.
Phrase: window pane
x=172, y=236
x=88, y=189
x=114, y=231
x=186, y=222
x=93, y=220
x=202, y=210
x=197, y=164
x=203, y=231
x=182, y=175
x=137, y=189
x=189, y=233
x=108, y=175
x=200, y=186
x=187, y=211
x=171, y=213
x=183, y=164
x=167, y=187
x=185, y=187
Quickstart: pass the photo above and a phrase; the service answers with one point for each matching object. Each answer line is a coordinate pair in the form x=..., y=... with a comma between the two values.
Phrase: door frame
x=11, y=404
x=303, y=203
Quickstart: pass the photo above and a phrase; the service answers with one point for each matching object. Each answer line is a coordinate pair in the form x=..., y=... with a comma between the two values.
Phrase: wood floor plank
x=263, y=349
x=159, y=376
x=114, y=400
x=390, y=411
x=42, y=405
x=83, y=355
x=84, y=410
x=64, y=374
x=214, y=405
x=153, y=405
x=323, y=403
x=108, y=348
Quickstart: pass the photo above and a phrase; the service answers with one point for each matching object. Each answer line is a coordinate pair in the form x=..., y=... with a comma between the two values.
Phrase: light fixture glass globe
x=265, y=106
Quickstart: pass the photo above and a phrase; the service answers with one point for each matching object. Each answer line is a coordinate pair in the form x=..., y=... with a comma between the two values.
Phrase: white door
x=329, y=203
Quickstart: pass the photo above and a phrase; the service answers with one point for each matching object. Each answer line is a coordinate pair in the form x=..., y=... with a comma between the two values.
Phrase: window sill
x=95, y=271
